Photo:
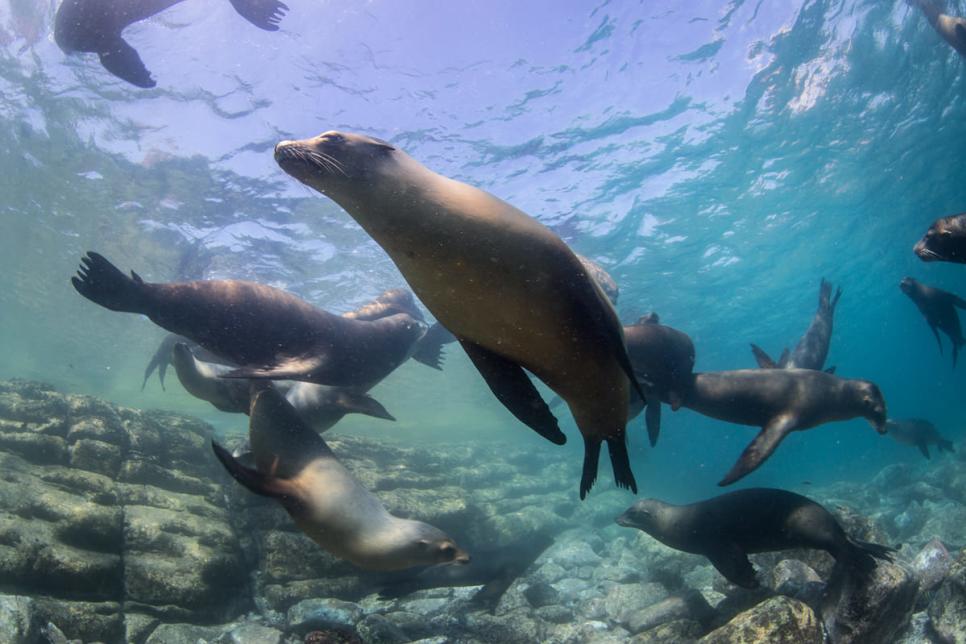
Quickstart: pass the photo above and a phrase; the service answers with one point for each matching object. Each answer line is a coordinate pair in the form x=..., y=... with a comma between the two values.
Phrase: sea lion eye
x=448, y=550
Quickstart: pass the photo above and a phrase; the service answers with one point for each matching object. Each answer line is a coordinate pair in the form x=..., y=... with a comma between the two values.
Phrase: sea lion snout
x=922, y=249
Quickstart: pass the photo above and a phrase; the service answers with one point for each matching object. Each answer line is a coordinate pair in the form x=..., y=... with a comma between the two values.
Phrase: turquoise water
x=718, y=159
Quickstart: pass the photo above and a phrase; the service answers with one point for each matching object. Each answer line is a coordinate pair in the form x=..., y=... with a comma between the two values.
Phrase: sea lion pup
x=945, y=241
x=937, y=306
x=294, y=466
x=271, y=334
x=781, y=401
x=95, y=26
x=727, y=528
x=494, y=568
x=951, y=28
x=812, y=350
x=319, y=406
x=663, y=360
x=918, y=432
x=511, y=291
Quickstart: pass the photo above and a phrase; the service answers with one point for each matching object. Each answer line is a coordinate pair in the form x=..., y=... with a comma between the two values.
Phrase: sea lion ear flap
x=760, y=449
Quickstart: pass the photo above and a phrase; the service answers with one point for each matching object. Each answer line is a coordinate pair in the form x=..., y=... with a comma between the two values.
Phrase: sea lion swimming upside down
x=294, y=466
x=511, y=291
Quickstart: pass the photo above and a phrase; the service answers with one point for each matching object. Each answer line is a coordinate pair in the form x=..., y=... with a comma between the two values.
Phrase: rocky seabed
x=118, y=525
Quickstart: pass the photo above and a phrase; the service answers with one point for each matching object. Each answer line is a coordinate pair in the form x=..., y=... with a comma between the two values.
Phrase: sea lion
x=812, y=350
x=951, y=28
x=729, y=527
x=511, y=291
x=95, y=26
x=663, y=360
x=937, y=306
x=495, y=569
x=319, y=406
x=294, y=466
x=781, y=401
x=427, y=349
x=271, y=334
x=918, y=432
x=945, y=241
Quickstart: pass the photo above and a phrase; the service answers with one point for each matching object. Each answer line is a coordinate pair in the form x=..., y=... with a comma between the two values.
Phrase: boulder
x=779, y=620
x=947, y=611
x=869, y=608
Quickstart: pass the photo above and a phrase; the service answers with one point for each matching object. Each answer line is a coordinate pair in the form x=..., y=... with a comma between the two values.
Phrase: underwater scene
x=424, y=321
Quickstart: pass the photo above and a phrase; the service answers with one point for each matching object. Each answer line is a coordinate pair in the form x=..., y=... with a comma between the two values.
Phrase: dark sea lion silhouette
x=515, y=295
x=939, y=309
x=781, y=401
x=727, y=528
x=270, y=333
x=812, y=350
x=951, y=28
x=945, y=241
x=95, y=26
x=918, y=432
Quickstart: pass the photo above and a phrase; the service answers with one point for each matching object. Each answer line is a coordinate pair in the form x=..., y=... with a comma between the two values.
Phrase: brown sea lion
x=951, y=28
x=95, y=26
x=945, y=241
x=938, y=307
x=781, y=401
x=507, y=287
x=727, y=528
x=812, y=350
x=663, y=360
x=271, y=334
x=294, y=466
x=918, y=432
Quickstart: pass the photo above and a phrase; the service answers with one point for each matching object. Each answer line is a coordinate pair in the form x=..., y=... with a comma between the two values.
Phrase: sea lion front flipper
x=122, y=60
x=732, y=562
x=761, y=448
x=512, y=387
x=354, y=402
x=295, y=368
x=429, y=348
x=924, y=448
x=935, y=332
x=255, y=481
x=652, y=418
x=264, y=14
x=763, y=359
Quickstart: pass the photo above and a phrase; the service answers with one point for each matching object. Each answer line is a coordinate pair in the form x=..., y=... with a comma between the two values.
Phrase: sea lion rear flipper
x=924, y=448
x=510, y=384
x=429, y=348
x=354, y=402
x=122, y=60
x=104, y=284
x=783, y=358
x=763, y=359
x=296, y=368
x=935, y=332
x=621, y=462
x=254, y=480
x=761, y=448
x=732, y=562
x=830, y=370
x=264, y=14
x=652, y=418
x=589, y=474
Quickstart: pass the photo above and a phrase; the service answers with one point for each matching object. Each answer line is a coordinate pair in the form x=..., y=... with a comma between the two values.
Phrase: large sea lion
x=945, y=241
x=781, y=401
x=319, y=406
x=812, y=350
x=271, y=334
x=294, y=466
x=918, y=432
x=95, y=26
x=938, y=307
x=951, y=28
x=727, y=528
x=507, y=287
x=663, y=360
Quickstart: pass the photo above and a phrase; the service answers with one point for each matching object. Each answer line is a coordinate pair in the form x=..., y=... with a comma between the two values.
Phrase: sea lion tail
x=102, y=283
x=620, y=461
x=255, y=481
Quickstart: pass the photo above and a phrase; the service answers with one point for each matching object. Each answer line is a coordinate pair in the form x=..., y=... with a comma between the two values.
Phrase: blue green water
x=717, y=158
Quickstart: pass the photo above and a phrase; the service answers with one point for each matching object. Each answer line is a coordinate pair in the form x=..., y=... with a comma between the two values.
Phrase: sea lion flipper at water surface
x=763, y=446
x=512, y=387
x=122, y=60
